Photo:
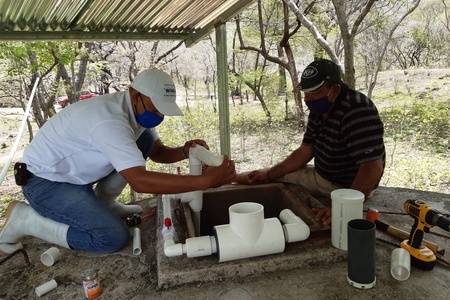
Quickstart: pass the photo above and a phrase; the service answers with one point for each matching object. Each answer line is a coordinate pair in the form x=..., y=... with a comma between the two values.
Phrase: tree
x=384, y=20
x=273, y=38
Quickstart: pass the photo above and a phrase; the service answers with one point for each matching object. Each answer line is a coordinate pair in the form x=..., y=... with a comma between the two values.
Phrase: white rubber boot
x=23, y=220
x=107, y=191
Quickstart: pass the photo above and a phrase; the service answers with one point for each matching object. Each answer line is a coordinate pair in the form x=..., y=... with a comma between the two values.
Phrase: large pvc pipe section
x=346, y=205
x=248, y=234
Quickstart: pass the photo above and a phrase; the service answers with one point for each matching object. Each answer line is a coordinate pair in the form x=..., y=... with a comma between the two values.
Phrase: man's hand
x=258, y=176
x=323, y=215
x=193, y=143
x=223, y=174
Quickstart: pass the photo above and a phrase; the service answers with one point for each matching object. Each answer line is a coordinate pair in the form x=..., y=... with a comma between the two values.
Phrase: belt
x=30, y=175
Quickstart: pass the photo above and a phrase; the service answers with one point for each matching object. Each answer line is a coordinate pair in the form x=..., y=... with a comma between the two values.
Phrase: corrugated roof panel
x=113, y=19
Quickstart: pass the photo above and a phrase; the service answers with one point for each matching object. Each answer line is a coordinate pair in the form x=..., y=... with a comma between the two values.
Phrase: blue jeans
x=92, y=226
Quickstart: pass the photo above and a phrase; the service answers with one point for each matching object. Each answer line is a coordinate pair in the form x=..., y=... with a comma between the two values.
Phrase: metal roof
x=100, y=20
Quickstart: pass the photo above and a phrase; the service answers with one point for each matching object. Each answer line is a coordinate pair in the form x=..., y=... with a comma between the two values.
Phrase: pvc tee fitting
x=248, y=234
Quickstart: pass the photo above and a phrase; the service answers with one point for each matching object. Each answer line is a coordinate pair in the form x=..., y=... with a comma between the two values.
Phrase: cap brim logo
x=310, y=72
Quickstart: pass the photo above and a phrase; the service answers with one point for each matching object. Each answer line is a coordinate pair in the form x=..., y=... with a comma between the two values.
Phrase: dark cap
x=317, y=74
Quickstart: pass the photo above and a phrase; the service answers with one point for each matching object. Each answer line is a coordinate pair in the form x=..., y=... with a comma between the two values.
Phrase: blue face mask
x=319, y=106
x=148, y=119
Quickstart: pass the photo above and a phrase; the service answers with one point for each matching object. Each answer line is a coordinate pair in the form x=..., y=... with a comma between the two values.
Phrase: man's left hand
x=193, y=143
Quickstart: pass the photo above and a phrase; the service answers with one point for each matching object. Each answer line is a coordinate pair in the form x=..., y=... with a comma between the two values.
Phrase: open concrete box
x=274, y=197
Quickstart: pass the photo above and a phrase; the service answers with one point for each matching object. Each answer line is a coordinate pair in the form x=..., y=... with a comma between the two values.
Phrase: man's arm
x=296, y=160
x=143, y=181
x=368, y=176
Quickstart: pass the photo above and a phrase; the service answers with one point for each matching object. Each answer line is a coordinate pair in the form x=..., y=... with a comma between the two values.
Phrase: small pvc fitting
x=46, y=287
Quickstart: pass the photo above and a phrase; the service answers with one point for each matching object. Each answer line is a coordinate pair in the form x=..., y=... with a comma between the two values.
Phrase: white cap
x=160, y=88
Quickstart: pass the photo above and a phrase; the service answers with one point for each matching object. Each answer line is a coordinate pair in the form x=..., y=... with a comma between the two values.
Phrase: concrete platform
x=126, y=276
x=179, y=270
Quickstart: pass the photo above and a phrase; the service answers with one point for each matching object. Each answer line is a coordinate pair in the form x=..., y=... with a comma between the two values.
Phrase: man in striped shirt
x=344, y=137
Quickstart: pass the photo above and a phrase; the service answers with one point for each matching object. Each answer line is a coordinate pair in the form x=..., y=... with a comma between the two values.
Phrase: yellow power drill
x=424, y=218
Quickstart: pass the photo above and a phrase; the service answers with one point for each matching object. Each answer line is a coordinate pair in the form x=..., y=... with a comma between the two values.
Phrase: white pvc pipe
x=19, y=134
x=46, y=287
x=294, y=228
x=346, y=205
x=137, y=249
x=195, y=200
x=240, y=239
x=197, y=155
x=194, y=247
x=247, y=235
x=205, y=156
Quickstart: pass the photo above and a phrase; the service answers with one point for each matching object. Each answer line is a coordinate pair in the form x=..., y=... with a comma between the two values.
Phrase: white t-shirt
x=86, y=141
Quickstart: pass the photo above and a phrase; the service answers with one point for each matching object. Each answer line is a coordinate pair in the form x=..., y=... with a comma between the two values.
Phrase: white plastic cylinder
x=346, y=205
x=137, y=249
x=248, y=234
x=400, y=264
x=46, y=287
x=51, y=256
x=295, y=229
x=200, y=246
x=206, y=156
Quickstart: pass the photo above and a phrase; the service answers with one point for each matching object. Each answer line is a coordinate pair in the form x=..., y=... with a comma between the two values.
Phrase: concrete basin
x=316, y=250
x=274, y=197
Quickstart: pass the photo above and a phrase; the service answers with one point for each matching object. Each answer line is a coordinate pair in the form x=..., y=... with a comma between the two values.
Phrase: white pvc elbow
x=204, y=155
x=171, y=249
x=294, y=228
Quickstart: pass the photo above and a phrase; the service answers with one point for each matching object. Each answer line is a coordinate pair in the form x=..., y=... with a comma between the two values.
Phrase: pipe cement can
x=91, y=284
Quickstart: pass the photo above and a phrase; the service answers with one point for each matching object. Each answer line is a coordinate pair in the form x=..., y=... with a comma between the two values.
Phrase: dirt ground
x=122, y=274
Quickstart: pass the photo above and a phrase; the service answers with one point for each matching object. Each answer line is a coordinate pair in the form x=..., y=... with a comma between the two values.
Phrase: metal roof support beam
x=222, y=80
x=87, y=36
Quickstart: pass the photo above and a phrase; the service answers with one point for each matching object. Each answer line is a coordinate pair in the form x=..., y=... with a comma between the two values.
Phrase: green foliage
x=417, y=134
x=417, y=169
x=425, y=123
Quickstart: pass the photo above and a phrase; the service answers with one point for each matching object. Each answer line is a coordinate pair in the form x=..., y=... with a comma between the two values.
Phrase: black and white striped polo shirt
x=352, y=134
